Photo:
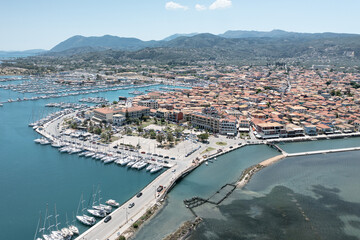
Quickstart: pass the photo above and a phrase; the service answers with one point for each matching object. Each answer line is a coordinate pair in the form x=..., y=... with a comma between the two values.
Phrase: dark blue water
x=33, y=175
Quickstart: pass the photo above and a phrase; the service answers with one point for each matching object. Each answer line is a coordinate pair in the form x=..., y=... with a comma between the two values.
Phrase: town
x=250, y=102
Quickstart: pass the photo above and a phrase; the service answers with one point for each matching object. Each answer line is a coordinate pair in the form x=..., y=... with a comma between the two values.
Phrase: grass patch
x=221, y=143
x=209, y=149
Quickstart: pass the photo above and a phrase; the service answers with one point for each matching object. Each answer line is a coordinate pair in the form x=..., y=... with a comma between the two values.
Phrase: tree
x=160, y=138
x=170, y=137
x=203, y=137
x=97, y=131
x=115, y=102
x=140, y=129
x=152, y=134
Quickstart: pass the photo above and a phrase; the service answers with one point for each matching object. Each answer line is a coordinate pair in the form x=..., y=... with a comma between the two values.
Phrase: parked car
x=139, y=194
x=107, y=218
x=131, y=205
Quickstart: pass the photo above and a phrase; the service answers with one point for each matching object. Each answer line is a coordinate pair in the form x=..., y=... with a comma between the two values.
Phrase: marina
x=46, y=162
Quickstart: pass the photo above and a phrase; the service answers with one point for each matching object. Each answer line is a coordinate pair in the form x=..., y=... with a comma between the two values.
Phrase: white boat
x=38, y=140
x=131, y=163
x=125, y=161
x=109, y=160
x=74, y=229
x=97, y=213
x=112, y=203
x=57, y=144
x=85, y=219
x=151, y=166
x=44, y=141
x=90, y=154
x=156, y=169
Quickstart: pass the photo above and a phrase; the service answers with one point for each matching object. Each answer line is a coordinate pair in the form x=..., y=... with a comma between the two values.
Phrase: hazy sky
x=30, y=24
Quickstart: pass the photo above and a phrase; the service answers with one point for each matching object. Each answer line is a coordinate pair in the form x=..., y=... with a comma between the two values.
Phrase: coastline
x=127, y=228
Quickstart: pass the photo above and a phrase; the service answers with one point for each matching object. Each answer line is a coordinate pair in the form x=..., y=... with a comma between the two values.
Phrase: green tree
x=140, y=129
x=203, y=137
x=115, y=102
x=97, y=131
x=160, y=138
x=170, y=137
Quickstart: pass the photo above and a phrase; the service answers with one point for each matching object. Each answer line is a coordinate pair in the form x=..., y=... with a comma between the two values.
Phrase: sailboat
x=37, y=229
x=73, y=228
x=103, y=207
x=84, y=219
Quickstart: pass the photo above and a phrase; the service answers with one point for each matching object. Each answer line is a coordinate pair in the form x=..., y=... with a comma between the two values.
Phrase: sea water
x=33, y=176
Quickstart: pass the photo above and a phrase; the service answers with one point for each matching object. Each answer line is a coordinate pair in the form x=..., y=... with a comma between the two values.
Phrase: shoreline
x=127, y=227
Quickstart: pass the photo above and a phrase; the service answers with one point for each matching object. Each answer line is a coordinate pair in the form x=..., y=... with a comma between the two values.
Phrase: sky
x=41, y=24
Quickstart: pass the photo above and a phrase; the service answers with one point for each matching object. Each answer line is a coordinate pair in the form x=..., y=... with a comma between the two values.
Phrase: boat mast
x=56, y=223
x=38, y=225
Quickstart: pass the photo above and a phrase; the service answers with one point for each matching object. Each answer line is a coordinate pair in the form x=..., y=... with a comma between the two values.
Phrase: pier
x=322, y=152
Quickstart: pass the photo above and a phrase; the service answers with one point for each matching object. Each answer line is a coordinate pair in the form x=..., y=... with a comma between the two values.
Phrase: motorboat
x=112, y=203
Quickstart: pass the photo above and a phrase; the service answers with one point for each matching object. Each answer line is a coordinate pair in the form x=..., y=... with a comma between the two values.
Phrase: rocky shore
x=185, y=230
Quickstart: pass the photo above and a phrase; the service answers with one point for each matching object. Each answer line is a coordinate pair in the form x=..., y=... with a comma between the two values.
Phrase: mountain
x=172, y=37
x=16, y=54
x=107, y=41
x=281, y=34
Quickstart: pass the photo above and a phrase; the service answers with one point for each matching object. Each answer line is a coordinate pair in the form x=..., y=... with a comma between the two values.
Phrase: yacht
x=141, y=165
x=86, y=220
x=89, y=154
x=57, y=144
x=112, y=203
x=156, y=169
x=97, y=213
x=74, y=229
x=151, y=166
x=131, y=163
x=110, y=159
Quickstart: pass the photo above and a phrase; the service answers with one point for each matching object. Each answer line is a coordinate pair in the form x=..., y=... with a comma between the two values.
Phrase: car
x=131, y=205
x=166, y=161
x=172, y=158
x=142, y=152
x=139, y=194
x=160, y=188
x=107, y=218
x=174, y=170
x=166, y=157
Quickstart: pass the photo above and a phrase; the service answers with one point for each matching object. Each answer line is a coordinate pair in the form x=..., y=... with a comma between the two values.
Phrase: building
x=228, y=127
x=310, y=130
x=119, y=119
x=136, y=112
x=175, y=116
x=269, y=130
x=104, y=114
x=205, y=122
x=151, y=103
x=293, y=130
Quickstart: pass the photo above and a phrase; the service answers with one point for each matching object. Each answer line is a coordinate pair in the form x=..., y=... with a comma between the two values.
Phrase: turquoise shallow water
x=33, y=175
